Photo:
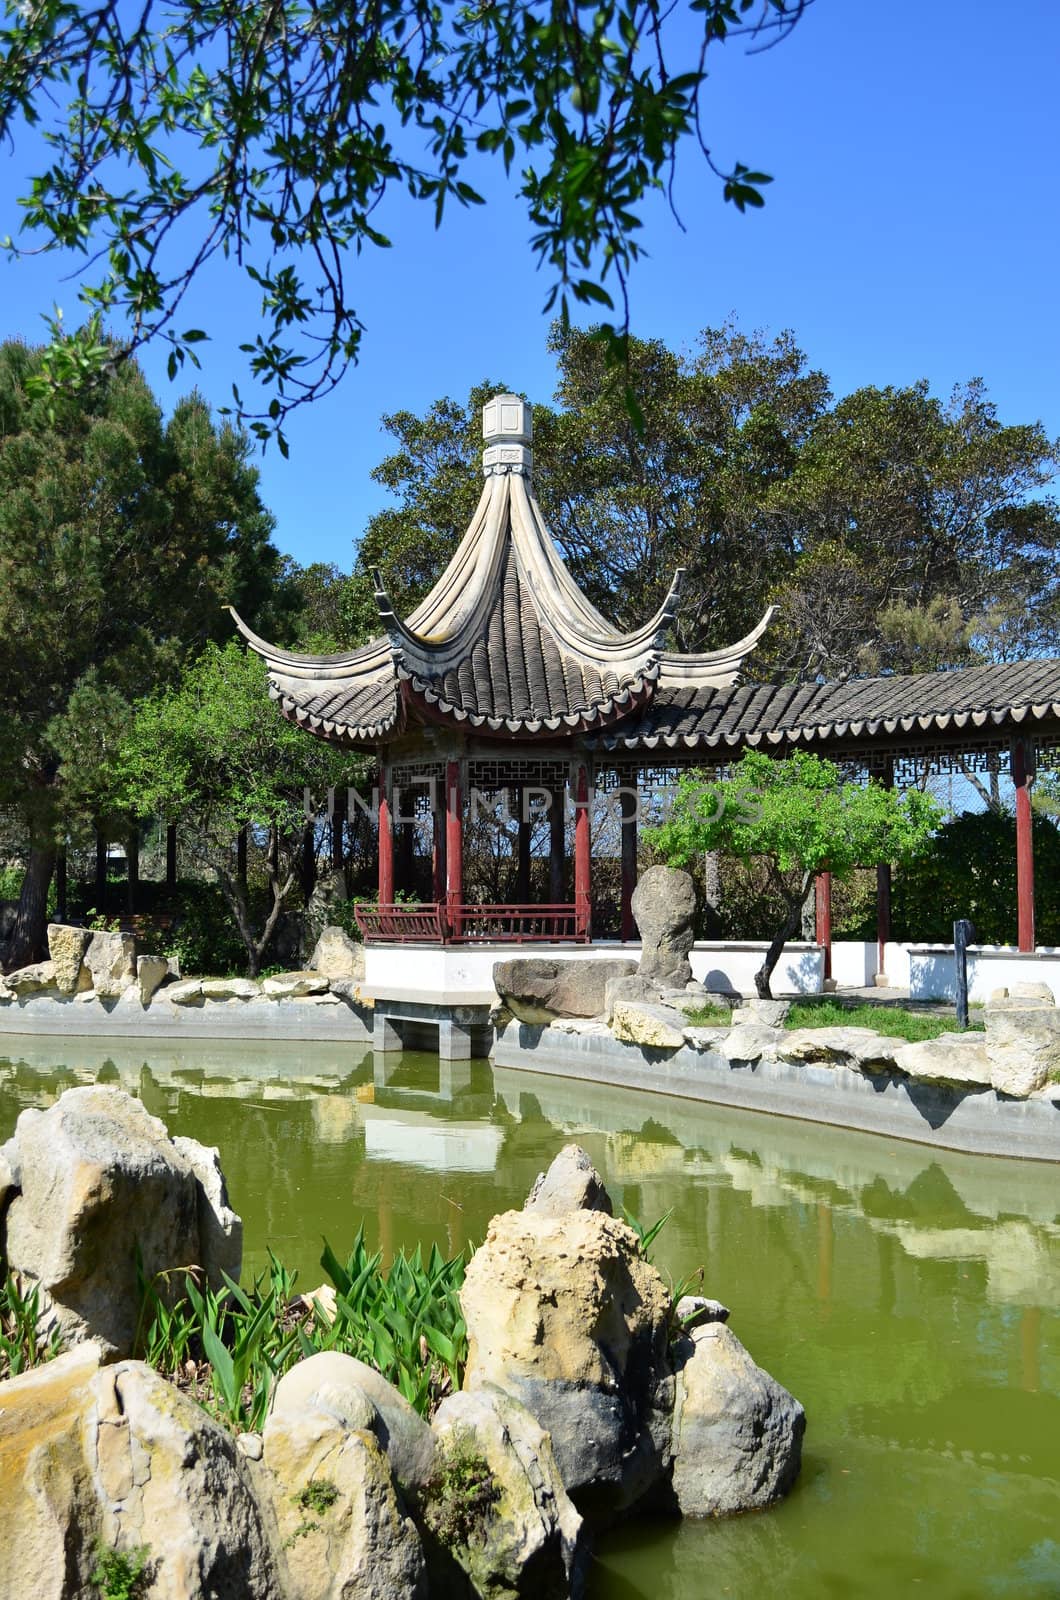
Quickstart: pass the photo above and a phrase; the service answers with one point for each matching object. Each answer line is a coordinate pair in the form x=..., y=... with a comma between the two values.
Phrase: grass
x=710, y=1016
x=889, y=1020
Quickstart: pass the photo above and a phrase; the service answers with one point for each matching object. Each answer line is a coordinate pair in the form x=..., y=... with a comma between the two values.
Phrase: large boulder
x=1023, y=1042
x=564, y=1313
x=336, y=955
x=111, y=959
x=356, y=1396
x=151, y=973
x=115, y=1458
x=173, y=1480
x=341, y=1525
x=953, y=1060
x=641, y=991
x=66, y=947
x=517, y=1533
x=220, y=1228
x=737, y=1437
x=99, y=1181
x=328, y=892
x=861, y=1048
x=538, y=990
x=664, y=909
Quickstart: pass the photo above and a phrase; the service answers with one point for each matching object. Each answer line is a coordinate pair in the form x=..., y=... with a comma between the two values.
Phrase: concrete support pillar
x=454, y=845
x=557, y=865
x=1022, y=778
x=385, y=1037
x=454, y=1041
x=582, y=852
x=629, y=864
x=386, y=841
x=823, y=906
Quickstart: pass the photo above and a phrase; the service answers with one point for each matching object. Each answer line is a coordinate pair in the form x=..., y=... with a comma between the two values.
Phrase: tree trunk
x=711, y=894
x=60, y=886
x=29, y=936
x=792, y=923
x=132, y=869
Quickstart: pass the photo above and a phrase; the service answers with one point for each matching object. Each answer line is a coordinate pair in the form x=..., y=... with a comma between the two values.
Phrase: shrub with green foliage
x=25, y=1339
x=121, y=1574
x=204, y=937
x=970, y=871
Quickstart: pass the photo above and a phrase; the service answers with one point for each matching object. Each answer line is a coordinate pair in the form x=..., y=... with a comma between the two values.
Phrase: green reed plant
x=26, y=1338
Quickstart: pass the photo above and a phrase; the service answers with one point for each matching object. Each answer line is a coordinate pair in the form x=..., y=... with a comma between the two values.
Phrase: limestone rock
x=293, y=985
x=35, y=979
x=328, y=892
x=229, y=989
x=748, y=1045
x=151, y=972
x=220, y=1228
x=571, y=1183
x=1023, y=1044
x=761, y=1013
x=117, y=1453
x=957, y=1060
x=343, y=1529
x=564, y=1314
x=111, y=959
x=1031, y=991
x=705, y=1038
x=67, y=946
x=98, y=1179
x=664, y=909
x=7, y=994
x=188, y=992
x=172, y=1479
x=528, y=1542
x=354, y=1395
x=659, y=1027
x=538, y=990
x=861, y=1048
x=336, y=955
x=47, y=1508
x=737, y=1438
x=7, y=1182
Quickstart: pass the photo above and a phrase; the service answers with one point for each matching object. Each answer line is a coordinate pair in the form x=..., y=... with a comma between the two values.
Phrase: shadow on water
x=910, y=1297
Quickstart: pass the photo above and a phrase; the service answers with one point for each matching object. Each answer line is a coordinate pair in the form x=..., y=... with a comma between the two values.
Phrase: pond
x=909, y=1297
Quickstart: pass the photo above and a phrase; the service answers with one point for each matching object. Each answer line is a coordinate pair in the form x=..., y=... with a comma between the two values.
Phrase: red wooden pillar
x=454, y=845
x=1022, y=778
x=823, y=908
x=629, y=863
x=582, y=853
x=386, y=841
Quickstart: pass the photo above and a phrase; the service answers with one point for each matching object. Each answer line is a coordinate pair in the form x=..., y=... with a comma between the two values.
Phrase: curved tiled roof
x=505, y=643
x=970, y=701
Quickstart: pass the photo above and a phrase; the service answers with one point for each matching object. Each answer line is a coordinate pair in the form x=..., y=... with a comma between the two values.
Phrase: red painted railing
x=471, y=924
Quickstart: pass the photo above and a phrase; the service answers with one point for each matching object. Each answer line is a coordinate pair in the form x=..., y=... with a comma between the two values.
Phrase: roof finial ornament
x=507, y=427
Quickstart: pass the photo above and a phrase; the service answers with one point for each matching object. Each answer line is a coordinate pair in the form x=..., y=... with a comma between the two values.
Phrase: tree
x=270, y=135
x=920, y=536
x=120, y=536
x=214, y=751
x=800, y=818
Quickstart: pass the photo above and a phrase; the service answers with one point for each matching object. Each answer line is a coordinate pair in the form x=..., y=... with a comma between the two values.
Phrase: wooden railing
x=471, y=924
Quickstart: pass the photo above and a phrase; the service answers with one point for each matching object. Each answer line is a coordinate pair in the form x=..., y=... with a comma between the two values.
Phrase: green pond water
x=909, y=1297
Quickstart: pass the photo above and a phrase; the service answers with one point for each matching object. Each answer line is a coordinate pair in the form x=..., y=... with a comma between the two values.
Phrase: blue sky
x=912, y=230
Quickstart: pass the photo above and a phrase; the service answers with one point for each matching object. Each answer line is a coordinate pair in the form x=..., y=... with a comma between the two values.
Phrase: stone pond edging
x=978, y=1121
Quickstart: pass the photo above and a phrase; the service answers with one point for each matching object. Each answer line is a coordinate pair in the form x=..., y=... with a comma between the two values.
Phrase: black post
x=963, y=936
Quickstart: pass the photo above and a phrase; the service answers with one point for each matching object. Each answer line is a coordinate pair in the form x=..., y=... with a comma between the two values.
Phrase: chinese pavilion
x=506, y=678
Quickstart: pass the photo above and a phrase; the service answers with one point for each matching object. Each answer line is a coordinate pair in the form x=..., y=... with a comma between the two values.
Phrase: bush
x=970, y=871
x=204, y=937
